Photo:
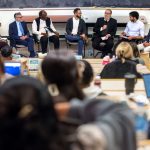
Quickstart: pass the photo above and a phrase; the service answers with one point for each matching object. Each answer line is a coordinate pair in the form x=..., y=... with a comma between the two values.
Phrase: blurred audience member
x=27, y=116
x=2, y=43
x=61, y=74
x=122, y=65
x=87, y=85
x=105, y=125
x=6, y=53
x=3, y=76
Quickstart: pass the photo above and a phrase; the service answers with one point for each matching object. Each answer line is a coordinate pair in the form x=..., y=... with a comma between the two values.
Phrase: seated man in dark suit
x=19, y=33
x=44, y=30
x=76, y=30
x=104, y=32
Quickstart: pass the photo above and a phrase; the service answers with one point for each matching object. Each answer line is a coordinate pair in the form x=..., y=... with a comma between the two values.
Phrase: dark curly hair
x=28, y=120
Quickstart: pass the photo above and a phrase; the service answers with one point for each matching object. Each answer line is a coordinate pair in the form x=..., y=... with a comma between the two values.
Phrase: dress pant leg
x=96, y=43
x=80, y=46
x=108, y=47
x=55, y=39
x=44, y=42
x=30, y=45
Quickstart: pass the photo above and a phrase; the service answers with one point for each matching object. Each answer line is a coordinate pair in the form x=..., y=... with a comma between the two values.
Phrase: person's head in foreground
x=27, y=117
x=6, y=52
x=87, y=73
x=60, y=71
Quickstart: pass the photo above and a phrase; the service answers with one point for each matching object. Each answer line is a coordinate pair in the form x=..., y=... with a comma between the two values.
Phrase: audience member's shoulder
x=115, y=61
x=131, y=62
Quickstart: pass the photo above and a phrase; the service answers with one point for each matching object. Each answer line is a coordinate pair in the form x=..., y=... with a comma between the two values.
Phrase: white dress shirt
x=75, y=26
x=135, y=28
x=42, y=28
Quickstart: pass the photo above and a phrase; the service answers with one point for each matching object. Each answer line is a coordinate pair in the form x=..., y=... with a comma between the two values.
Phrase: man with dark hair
x=134, y=30
x=44, y=29
x=19, y=34
x=104, y=32
x=76, y=30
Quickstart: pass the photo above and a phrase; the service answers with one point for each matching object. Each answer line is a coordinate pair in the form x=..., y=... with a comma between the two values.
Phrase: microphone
x=48, y=29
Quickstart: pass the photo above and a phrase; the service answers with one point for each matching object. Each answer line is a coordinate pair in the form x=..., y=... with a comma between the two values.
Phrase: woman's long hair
x=124, y=51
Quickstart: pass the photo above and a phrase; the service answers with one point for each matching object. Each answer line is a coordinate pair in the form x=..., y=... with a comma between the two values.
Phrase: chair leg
x=93, y=53
x=38, y=47
x=84, y=51
x=96, y=54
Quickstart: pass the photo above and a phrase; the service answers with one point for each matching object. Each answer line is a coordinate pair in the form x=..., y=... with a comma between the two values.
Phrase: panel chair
x=18, y=47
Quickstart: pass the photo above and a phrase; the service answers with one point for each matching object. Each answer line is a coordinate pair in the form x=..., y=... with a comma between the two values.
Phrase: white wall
x=89, y=15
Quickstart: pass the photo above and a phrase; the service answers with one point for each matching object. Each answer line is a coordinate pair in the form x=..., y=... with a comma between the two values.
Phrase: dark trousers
x=44, y=41
x=28, y=43
x=105, y=49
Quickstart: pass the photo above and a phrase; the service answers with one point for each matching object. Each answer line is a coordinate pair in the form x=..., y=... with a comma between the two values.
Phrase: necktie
x=21, y=28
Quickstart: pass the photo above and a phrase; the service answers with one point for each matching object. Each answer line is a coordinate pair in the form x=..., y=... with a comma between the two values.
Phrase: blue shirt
x=18, y=27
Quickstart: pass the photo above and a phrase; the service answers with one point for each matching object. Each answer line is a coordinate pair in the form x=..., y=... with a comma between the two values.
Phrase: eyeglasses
x=19, y=17
x=107, y=13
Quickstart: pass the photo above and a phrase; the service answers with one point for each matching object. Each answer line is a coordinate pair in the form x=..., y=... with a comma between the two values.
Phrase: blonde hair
x=124, y=51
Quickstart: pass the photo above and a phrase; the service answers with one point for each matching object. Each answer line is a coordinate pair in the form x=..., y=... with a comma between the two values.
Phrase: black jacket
x=117, y=69
x=111, y=29
x=81, y=27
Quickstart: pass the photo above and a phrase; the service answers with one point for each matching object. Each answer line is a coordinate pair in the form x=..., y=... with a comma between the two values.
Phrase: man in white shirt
x=134, y=30
x=76, y=30
x=44, y=29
